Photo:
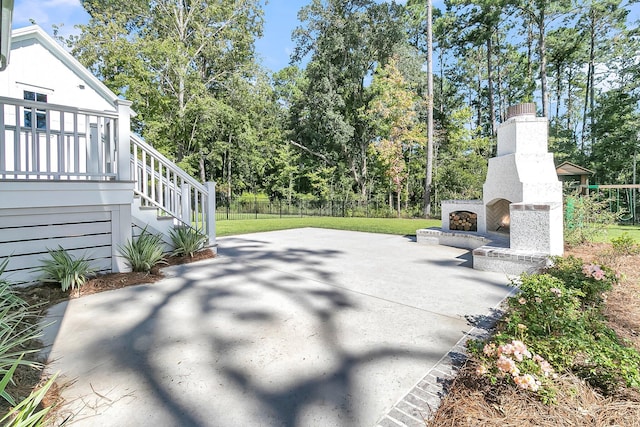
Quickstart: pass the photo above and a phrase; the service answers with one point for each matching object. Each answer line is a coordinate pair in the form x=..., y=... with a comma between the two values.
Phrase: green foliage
x=187, y=241
x=63, y=269
x=189, y=69
x=18, y=326
x=586, y=219
x=144, y=252
x=247, y=197
x=591, y=280
x=345, y=40
x=462, y=159
x=625, y=245
x=28, y=412
x=558, y=316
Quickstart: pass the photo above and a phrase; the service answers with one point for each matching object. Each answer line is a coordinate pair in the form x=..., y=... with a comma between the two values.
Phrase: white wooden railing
x=56, y=142
x=42, y=141
x=160, y=183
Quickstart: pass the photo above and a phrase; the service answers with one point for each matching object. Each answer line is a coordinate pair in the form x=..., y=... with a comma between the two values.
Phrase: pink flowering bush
x=514, y=362
x=592, y=279
x=558, y=315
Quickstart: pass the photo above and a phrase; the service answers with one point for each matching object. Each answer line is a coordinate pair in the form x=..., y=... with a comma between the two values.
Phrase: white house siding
x=84, y=218
x=35, y=68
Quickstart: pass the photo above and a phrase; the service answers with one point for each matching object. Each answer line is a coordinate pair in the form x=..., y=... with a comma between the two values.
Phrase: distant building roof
x=570, y=169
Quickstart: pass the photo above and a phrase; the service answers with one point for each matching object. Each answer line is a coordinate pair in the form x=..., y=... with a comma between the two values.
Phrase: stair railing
x=160, y=183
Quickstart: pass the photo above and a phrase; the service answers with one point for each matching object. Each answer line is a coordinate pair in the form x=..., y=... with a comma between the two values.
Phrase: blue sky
x=274, y=48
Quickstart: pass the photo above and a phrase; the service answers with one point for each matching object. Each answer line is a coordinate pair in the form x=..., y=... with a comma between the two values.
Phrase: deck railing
x=43, y=141
x=56, y=142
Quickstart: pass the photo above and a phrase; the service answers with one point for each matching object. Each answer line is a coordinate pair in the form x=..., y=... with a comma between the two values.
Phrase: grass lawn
x=617, y=230
x=374, y=225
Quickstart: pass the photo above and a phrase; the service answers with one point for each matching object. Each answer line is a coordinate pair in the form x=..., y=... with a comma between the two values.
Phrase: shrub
x=558, y=316
x=586, y=218
x=591, y=279
x=144, y=252
x=624, y=245
x=187, y=241
x=23, y=414
x=63, y=269
x=17, y=328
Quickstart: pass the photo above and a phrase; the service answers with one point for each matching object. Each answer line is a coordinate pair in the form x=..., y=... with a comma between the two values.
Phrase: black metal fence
x=263, y=209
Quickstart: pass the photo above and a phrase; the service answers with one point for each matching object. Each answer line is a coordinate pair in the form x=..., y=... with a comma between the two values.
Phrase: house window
x=41, y=115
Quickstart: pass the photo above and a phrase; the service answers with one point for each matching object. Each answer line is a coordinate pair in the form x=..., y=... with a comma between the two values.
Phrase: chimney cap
x=524, y=109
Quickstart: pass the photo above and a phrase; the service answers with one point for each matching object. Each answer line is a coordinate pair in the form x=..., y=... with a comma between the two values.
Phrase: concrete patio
x=304, y=327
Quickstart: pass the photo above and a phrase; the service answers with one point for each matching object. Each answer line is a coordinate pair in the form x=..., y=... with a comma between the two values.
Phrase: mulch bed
x=474, y=401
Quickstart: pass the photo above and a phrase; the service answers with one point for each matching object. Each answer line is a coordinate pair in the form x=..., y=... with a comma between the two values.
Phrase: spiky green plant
x=18, y=326
x=63, y=269
x=187, y=241
x=28, y=412
x=144, y=252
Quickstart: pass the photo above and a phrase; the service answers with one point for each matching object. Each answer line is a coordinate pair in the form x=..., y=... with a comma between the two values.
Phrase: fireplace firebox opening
x=498, y=216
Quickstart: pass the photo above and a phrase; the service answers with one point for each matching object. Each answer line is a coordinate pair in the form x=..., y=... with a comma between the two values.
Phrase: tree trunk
x=501, y=107
x=201, y=166
x=530, y=50
x=590, y=91
x=570, y=102
x=229, y=168
x=429, y=165
x=542, y=53
x=492, y=110
x=592, y=86
x=558, y=93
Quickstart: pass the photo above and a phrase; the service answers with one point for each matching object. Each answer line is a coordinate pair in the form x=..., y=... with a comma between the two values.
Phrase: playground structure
x=621, y=197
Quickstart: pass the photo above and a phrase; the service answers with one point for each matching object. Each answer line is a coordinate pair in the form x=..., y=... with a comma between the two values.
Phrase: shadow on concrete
x=283, y=406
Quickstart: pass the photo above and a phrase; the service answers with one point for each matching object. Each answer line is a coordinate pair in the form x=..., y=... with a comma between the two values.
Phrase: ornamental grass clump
x=555, y=325
x=62, y=268
x=144, y=252
x=187, y=241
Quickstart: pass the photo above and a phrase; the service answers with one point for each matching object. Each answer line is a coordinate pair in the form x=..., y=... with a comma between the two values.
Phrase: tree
x=461, y=165
x=174, y=59
x=617, y=120
x=345, y=39
x=602, y=20
x=393, y=118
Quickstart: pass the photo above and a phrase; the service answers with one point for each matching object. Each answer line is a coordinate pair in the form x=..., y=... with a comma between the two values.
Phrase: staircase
x=166, y=197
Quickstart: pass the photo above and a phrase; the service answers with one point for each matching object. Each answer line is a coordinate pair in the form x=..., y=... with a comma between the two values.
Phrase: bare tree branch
x=314, y=153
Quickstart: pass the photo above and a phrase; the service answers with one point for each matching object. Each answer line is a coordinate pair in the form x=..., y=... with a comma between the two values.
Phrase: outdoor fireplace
x=498, y=216
x=522, y=200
